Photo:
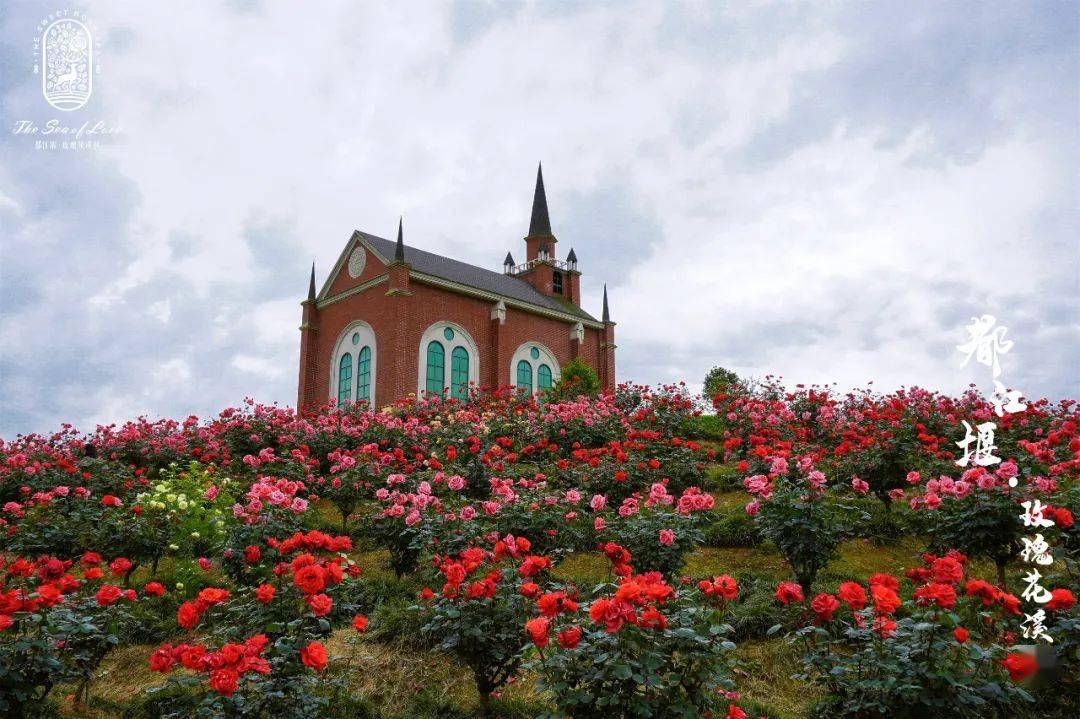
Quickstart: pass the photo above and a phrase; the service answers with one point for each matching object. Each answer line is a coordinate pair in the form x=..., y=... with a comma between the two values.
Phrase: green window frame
x=344, y=380
x=524, y=376
x=363, y=375
x=436, y=367
x=459, y=373
x=543, y=378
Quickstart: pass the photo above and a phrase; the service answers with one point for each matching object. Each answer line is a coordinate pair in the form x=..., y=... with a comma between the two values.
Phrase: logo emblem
x=67, y=64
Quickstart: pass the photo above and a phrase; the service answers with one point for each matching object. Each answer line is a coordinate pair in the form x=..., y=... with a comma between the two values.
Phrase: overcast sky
x=824, y=191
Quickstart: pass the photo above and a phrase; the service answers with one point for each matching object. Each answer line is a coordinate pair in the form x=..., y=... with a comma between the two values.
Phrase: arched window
x=454, y=346
x=459, y=373
x=436, y=367
x=524, y=376
x=363, y=375
x=533, y=367
x=344, y=383
x=355, y=357
x=543, y=378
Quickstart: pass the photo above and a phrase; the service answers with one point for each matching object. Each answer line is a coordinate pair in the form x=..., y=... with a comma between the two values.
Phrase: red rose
x=154, y=589
x=569, y=637
x=224, y=681
x=110, y=501
x=211, y=596
x=310, y=579
x=884, y=580
x=252, y=554
x=1011, y=604
x=734, y=712
x=119, y=565
x=320, y=604
x=942, y=595
x=108, y=594
x=723, y=587
x=359, y=623
x=885, y=599
x=314, y=656
x=824, y=606
x=538, y=631
x=985, y=591
x=961, y=634
x=533, y=565
x=884, y=626
x=187, y=616
x=788, y=592
x=1062, y=517
x=162, y=660
x=265, y=593
x=947, y=570
x=5, y=622
x=426, y=593
x=1019, y=665
x=853, y=594
x=1061, y=600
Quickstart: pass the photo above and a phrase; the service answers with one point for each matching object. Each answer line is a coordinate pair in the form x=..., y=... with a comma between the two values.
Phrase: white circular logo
x=357, y=261
x=67, y=59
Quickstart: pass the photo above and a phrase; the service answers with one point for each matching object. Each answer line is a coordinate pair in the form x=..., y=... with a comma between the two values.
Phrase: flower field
x=767, y=552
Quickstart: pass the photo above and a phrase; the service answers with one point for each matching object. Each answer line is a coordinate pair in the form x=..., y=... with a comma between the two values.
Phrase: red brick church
x=393, y=320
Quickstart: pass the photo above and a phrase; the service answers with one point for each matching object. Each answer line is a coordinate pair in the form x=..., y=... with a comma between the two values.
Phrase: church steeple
x=540, y=224
x=606, y=317
x=399, y=249
x=311, y=285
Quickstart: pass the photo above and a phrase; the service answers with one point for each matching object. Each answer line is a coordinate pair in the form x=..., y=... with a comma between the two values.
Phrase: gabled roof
x=462, y=273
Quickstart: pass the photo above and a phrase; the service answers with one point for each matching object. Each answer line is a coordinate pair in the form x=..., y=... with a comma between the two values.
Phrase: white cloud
x=829, y=192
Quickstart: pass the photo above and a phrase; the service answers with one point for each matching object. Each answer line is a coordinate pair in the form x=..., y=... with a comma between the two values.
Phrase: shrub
x=576, y=379
x=483, y=604
x=640, y=650
x=805, y=519
x=937, y=652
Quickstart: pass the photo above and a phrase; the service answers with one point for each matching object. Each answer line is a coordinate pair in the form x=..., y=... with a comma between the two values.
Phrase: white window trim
x=461, y=339
x=343, y=346
x=524, y=352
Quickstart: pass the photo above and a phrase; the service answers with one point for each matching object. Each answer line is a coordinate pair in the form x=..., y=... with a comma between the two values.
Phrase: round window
x=357, y=261
x=448, y=333
x=534, y=353
x=356, y=338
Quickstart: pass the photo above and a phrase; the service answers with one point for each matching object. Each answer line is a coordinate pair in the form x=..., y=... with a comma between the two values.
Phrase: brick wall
x=399, y=320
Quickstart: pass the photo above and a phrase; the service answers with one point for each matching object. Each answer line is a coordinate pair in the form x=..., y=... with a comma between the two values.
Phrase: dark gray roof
x=482, y=279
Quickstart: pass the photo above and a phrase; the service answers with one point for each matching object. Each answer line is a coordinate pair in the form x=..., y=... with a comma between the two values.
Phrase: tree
x=721, y=380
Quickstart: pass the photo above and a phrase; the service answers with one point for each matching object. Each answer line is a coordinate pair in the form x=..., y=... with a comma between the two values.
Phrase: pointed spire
x=509, y=259
x=311, y=285
x=571, y=257
x=540, y=224
x=606, y=317
x=399, y=251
